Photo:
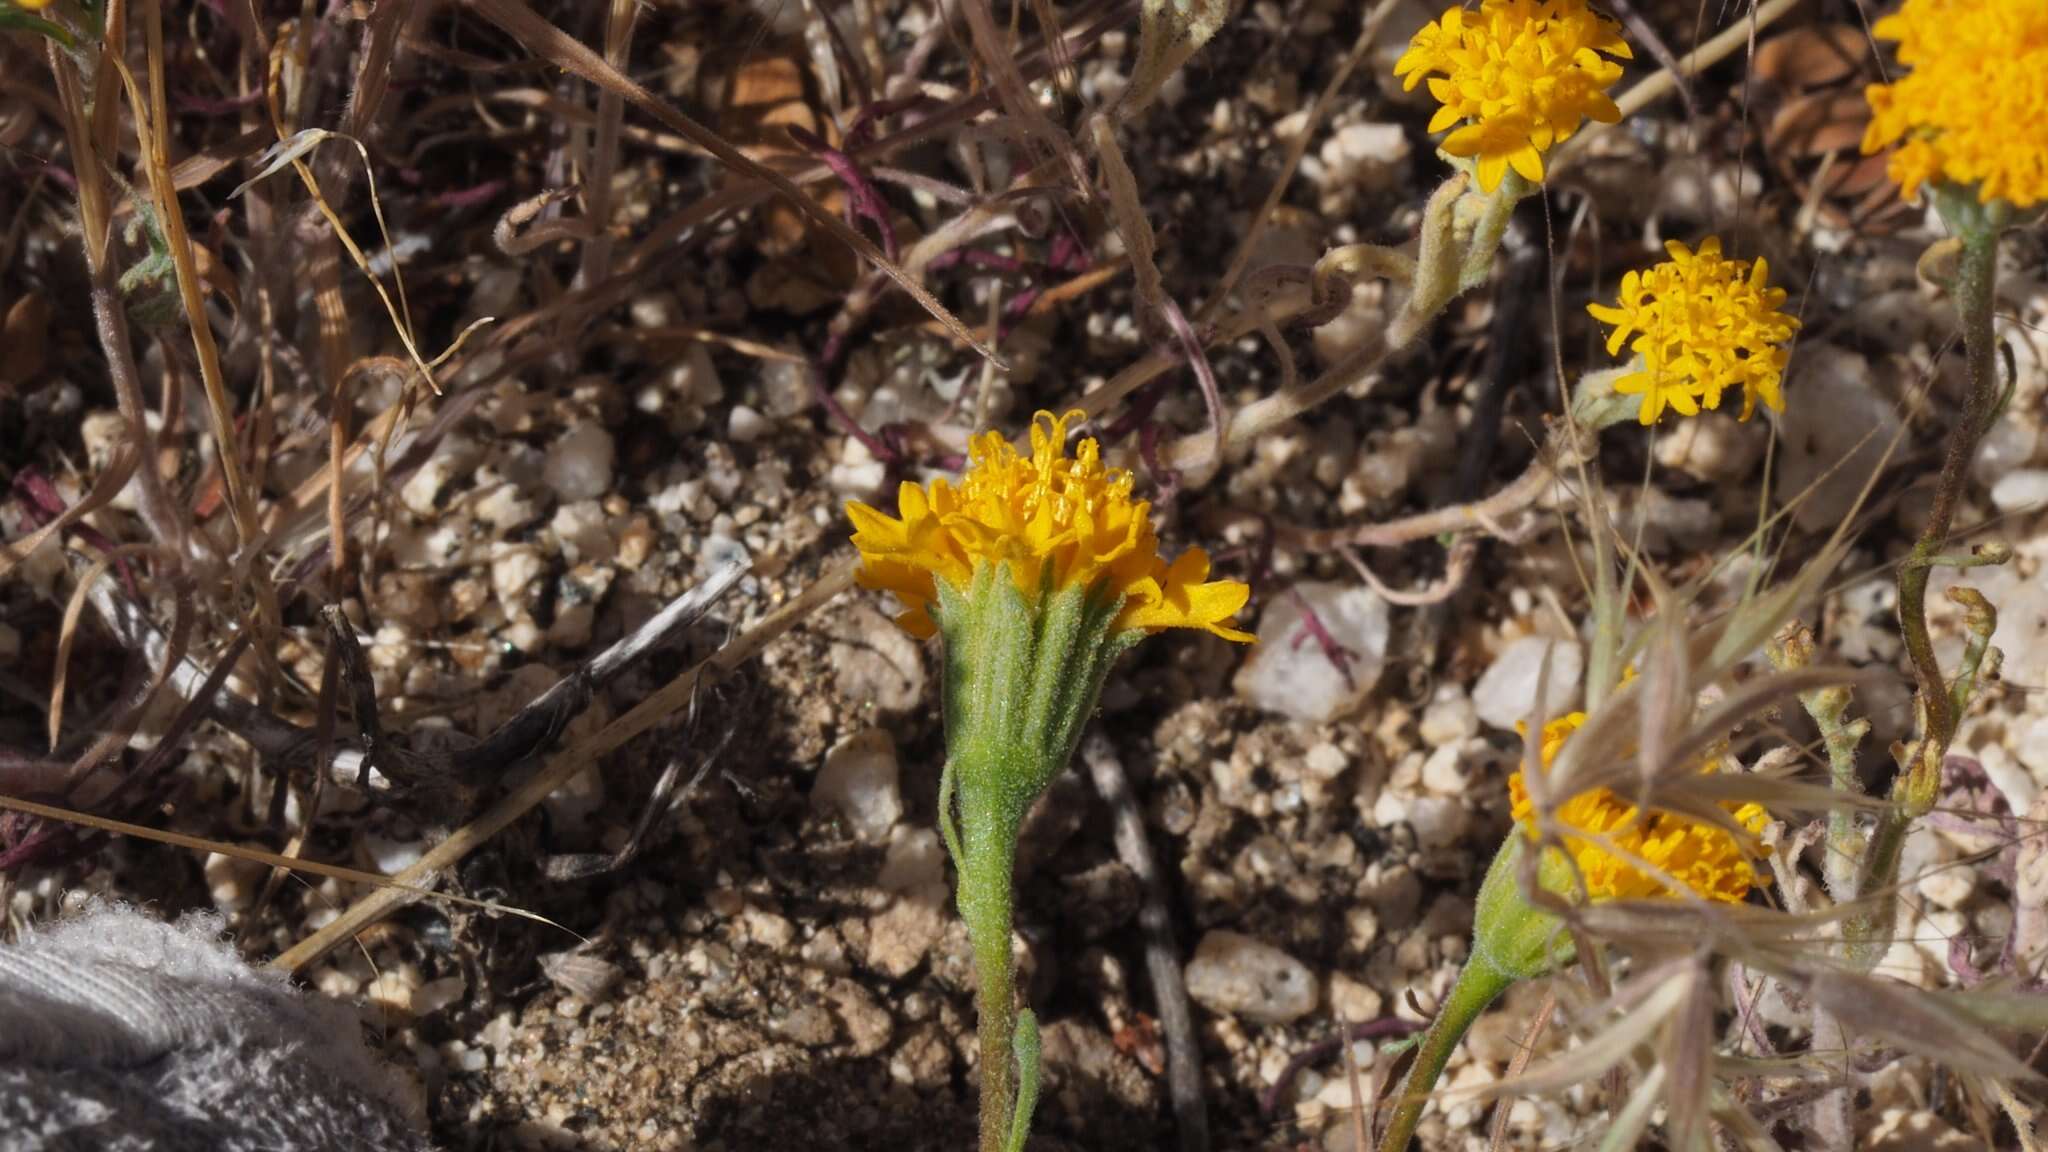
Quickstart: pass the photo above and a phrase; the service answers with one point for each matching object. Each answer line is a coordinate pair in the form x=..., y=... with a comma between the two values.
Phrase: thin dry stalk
x=258, y=856
x=1162, y=955
x=664, y=703
x=152, y=127
x=604, y=153
x=550, y=43
x=110, y=314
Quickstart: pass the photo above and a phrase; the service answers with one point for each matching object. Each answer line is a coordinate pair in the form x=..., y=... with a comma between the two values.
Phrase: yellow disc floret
x=1703, y=324
x=1620, y=838
x=1056, y=522
x=1973, y=110
x=1519, y=76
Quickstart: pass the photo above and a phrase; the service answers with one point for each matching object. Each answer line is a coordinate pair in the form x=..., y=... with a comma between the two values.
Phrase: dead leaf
x=1813, y=57
x=25, y=334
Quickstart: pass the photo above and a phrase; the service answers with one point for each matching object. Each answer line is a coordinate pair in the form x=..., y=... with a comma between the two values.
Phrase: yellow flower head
x=1058, y=522
x=1974, y=108
x=32, y=5
x=1521, y=75
x=1706, y=859
x=1703, y=324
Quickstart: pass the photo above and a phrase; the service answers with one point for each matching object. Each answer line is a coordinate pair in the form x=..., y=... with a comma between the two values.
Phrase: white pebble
x=1326, y=762
x=579, y=465
x=1438, y=821
x=1506, y=693
x=859, y=782
x=1444, y=772
x=1252, y=980
x=1289, y=673
x=1368, y=157
x=580, y=526
x=1449, y=719
x=2023, y=491
x=513, y=571
x=744, y=425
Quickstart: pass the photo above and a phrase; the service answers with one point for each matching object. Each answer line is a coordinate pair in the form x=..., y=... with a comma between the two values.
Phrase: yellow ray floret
x=1703, y=324
x=1516, y=77
x=1706, y=859
x=1056, y=521
x=1973, y=110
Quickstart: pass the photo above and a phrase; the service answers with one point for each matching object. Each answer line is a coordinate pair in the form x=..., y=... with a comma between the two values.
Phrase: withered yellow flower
x=1973, y=110
x=1703, y=324
x=1055, y=522
x=1520, y=76
x=1706, y=859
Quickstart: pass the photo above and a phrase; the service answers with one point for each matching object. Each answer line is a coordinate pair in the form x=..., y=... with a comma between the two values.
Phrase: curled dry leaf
x=1814, y=138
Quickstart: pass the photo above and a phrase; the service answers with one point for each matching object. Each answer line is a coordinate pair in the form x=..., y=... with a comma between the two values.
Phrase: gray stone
x=1506, y=693
x=859, y=783
x=1289, y=673
x=1249, y=979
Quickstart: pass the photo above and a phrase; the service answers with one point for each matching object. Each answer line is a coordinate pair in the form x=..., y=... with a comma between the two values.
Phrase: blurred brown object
x=1814, y=139
x=24, y=334
x=766, y=97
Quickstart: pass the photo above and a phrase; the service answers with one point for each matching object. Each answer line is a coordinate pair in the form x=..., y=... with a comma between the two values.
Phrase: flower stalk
x=1021, y=679
x=1602, y=843
x=1977, y=227
x=1036, y=572
x=1512, y=940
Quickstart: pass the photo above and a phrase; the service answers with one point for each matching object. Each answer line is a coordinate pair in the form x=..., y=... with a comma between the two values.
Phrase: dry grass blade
x=258, y=856
x=1602, y=753
x=564, y=51
x=1525, y=1050
x=152, y=124
x=67, y=631
x=1633, y=1120
x=611, y=108
x=1610, y=1047
x=670, y=699
x=1687, y=1060
x=291, y=151
x=1917, y=1021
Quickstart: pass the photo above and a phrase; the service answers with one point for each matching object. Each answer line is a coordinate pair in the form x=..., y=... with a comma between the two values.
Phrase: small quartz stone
x=1506, y=693
x=1251, y=980
x=1449, y=719
x=2025, y=490
x=579, y=463
x=859, y=783
x=1290, y=672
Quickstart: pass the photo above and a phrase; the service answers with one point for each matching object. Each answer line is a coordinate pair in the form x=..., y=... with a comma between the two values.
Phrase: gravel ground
x=778, y=957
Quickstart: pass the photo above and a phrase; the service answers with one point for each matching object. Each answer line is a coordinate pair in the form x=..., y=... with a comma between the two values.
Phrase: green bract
x=1022, y=675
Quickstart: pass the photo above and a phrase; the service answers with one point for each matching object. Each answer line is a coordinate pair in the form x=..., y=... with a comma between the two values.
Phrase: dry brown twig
x=1162, y=955
x=543, y=39
x=654, y=710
